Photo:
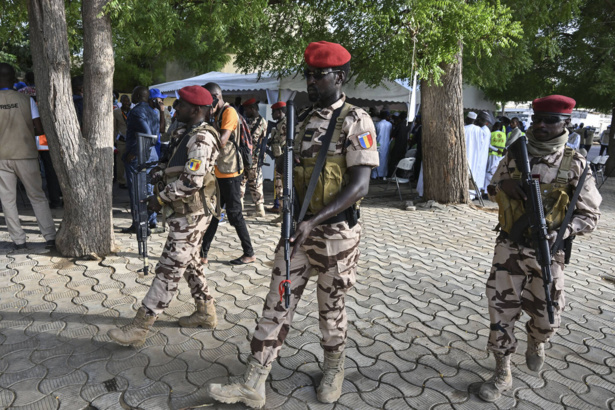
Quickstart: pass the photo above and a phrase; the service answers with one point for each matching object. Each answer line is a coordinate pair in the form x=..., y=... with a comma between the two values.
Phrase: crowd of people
x=201, y=163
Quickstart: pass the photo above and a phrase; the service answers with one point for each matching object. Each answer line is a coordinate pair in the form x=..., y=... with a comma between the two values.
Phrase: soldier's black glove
x=153, y=204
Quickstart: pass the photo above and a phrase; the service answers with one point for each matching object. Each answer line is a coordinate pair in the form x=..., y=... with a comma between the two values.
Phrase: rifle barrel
x=287, y=195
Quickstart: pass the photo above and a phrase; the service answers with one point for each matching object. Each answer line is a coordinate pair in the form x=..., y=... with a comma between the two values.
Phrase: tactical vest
x=498, y=140
x=555, y=199
x=206, y=199
x=333, y=175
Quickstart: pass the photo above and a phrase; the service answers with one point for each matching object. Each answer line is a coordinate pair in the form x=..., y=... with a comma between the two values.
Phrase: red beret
x=278, y=105
x=554, y=104
x=195, y=94
x=323, y=54
x=251, y=101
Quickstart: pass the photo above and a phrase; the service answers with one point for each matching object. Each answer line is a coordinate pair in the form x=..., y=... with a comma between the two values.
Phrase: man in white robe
x=477, y=149
x=383, y=137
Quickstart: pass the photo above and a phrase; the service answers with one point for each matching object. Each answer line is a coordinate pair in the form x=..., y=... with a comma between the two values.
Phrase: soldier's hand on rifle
x=153, y=205
x=301, y=233
x=512, y=188
x=551, y=237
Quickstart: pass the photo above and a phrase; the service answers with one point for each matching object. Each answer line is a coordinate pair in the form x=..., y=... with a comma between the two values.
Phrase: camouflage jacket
x=259, y=126
x=203, y=148
x=357, y=140
x=587, y=212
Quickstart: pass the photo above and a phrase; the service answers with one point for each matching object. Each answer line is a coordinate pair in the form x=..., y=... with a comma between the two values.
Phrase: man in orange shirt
x=229, y=172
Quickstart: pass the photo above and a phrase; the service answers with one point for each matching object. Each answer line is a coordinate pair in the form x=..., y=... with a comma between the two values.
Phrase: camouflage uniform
x=515, y=283
x=181, y=250
x=332, y=250
x=253, y=176
x=278, y=142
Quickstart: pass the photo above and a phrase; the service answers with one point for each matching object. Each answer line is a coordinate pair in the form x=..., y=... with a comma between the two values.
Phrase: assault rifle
x=475, y=186
x=288, y=201
x=534, y=217
x=140, y=194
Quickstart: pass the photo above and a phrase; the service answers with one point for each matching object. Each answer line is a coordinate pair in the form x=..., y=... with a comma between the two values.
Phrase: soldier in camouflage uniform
x=277, y=143
x=327, y=242
x=515, y=284
x=188, y=197
x=253, y=177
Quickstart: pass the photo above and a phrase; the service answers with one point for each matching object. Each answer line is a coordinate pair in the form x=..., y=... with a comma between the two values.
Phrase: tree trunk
x=610, y=163
x=445, y=164
x=83, y=159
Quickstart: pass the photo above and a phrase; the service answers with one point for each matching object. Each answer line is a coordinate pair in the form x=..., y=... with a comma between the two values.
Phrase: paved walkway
x=417, y=322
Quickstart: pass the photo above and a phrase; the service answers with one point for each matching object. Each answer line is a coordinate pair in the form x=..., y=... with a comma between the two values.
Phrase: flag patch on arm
x=365, y=140
x=194, y=164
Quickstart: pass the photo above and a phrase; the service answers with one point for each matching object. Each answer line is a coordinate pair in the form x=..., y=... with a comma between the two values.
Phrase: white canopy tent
x=282, y=89
x=395, y=94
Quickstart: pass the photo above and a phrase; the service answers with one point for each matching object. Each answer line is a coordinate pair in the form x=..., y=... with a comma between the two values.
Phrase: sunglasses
x=548, y=119
x=318, y=74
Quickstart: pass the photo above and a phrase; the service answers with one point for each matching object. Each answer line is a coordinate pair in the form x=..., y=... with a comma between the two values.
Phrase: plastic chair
x=411, y=153
x=405, y=164
x=599, y=164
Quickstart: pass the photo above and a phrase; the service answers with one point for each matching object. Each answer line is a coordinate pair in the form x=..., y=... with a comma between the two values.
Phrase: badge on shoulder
x=194, y=164
x=365, y=140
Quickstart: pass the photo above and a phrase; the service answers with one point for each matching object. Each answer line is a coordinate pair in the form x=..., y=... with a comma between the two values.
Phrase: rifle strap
x=571, y=207
x=320, y=162
x=564, y=166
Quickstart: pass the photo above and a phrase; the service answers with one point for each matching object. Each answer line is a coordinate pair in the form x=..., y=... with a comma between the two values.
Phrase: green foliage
x=528, y=70
x=587, y=70
x=13, y=33
x=148, y=34
x=379, y=34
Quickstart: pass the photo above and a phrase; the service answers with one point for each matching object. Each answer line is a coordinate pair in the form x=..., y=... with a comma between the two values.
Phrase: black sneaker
x=50, y=244
x=19, y=246
x=130, y=229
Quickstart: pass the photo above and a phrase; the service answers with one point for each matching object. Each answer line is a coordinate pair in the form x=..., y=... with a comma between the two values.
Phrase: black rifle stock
x=288, y=201
x=535, y=216
x=139, y=186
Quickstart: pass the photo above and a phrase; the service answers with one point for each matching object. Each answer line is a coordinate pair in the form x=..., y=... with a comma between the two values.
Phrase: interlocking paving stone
x=417, y=333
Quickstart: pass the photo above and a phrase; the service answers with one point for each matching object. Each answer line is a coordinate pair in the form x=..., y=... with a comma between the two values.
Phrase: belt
x=341, y=217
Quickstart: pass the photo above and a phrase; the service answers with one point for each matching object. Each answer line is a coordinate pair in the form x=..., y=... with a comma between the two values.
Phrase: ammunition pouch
x=206, y=199
x=330, y=182
x=555, y=200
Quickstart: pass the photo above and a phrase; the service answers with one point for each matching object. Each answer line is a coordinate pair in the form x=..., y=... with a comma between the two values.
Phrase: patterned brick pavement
x=417, y=335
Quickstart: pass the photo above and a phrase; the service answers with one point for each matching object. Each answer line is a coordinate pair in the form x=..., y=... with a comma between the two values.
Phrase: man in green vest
x=496, y=151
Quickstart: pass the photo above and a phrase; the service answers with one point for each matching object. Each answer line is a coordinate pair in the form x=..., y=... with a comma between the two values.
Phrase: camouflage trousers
x=278, y=186
x=253, y=177
x=332, y=251
x=180, y=256
x=514, y=286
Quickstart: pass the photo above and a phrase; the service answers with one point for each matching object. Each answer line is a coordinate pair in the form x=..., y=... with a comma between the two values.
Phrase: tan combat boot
x=259, y=211
x=278, y=220
x=501, y=381
x=535, y=354
x=134, y=333
x=204, y=316
x=251, y=392
x=330, y=388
